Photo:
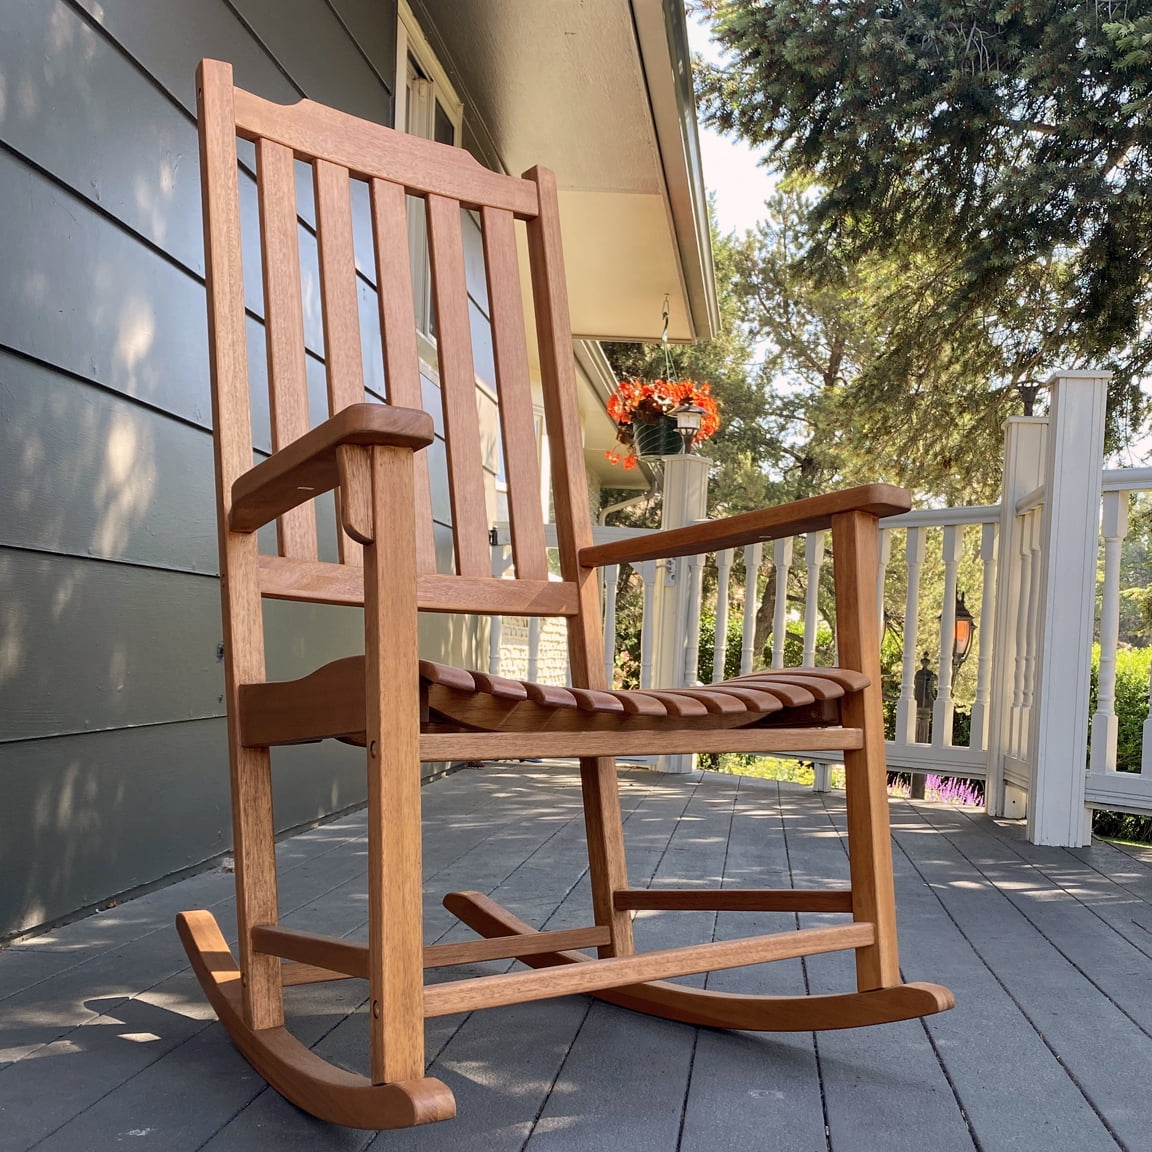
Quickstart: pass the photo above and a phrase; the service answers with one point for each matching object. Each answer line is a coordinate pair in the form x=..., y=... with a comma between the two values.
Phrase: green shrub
x=1122, y=826
x=1132, y=666
x=770, y=768
x=708, y=645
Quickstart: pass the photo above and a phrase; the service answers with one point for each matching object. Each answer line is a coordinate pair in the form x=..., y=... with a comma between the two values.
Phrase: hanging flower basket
x=641, y=409
x=660, y=439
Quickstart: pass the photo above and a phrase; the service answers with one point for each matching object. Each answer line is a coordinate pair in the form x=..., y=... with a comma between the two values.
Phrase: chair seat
x=331, y=703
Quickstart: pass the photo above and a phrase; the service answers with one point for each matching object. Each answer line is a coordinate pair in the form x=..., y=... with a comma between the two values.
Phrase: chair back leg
x=607, y=865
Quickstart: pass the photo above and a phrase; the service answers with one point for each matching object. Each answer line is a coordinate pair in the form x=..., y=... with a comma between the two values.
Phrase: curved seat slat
x=550, y=695
x=715, y=700
x=641, y=704
x=330, y=702
x=591, y=700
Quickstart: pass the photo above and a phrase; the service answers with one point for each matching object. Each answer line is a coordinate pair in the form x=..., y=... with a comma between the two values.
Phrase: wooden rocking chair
x=405, y=710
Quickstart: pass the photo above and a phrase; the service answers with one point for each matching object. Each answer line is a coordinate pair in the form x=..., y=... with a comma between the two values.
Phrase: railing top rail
x=1112, y=480
x=1126, y=479
x=944, y=517
x=601, y=533
x=1029, y=501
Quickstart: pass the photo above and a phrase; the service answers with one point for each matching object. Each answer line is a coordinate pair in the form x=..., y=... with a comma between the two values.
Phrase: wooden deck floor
x=106, y=1043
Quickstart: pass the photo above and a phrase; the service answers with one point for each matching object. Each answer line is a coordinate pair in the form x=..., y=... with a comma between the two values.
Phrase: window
x=426, y=105
x=424, y=111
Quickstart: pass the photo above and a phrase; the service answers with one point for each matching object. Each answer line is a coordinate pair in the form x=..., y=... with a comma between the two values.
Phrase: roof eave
x=662, y=33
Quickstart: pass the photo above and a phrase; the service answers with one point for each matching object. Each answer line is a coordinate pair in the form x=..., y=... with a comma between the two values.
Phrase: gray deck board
x=106, y=1042
x=1066, y=1012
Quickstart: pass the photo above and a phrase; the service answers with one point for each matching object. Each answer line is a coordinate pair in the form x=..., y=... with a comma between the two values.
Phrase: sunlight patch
x=56, y=1048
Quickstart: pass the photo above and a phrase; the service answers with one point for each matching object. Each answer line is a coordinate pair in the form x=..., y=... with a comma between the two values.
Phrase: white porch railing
x=961, y=531
x=1029, y=568
x=1106, y=787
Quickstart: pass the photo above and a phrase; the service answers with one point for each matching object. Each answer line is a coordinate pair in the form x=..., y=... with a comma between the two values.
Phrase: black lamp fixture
x=962, y=634
x=689, y=418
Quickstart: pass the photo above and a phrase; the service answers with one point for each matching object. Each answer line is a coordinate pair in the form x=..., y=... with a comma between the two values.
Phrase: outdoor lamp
x=689, y=418
x=962, y=634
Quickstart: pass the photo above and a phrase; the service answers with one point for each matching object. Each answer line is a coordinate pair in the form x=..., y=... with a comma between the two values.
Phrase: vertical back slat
x=227, y=324
x=342, y=355
x=284, y=327
x=398, y=327
x=458, y=385
x=566, y=449
x=510, y=350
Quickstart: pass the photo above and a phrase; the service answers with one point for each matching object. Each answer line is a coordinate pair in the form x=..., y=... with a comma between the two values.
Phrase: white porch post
x=1024, y=438
x=685, y=502
x=1070, y=534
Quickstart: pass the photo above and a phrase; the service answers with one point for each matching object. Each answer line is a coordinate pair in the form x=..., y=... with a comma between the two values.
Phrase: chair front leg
x=380, y=481
x=855, y=548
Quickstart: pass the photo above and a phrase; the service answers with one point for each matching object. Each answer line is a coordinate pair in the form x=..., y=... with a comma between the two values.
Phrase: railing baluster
x=534, y=648
x=882, y=576
x=720, y=637
x=1105, y=724
x=690, y=670
x=906, y=707
x=1019, y=675
x=647, y=570
x=1015, y=748
x=753, y=554
x=1146, y=736
x=501, y=561
x=610, y=575
x=952, y=551
x=495, y=634
x=1032, y=646
x=781, y=562
x=978, y=733
x=813, y=561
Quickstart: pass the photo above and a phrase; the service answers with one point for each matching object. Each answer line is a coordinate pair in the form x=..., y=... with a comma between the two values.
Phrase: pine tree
x=1005, y=147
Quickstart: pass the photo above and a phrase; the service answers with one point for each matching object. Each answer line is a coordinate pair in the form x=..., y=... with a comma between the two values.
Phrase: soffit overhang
x=600, y=92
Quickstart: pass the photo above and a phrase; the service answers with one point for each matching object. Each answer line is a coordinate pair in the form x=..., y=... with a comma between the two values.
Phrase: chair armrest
x=810, y=515
x=308, y=466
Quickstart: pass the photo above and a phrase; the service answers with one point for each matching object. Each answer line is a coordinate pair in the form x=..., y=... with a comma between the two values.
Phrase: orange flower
x=648, y=402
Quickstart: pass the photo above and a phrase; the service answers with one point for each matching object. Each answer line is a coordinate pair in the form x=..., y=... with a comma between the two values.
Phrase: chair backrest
x=342, y=150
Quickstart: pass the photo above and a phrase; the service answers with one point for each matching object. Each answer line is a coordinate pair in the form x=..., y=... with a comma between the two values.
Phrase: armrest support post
x=354, y=464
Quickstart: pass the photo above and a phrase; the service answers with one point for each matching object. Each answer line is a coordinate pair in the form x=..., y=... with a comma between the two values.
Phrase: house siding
x=112, y=760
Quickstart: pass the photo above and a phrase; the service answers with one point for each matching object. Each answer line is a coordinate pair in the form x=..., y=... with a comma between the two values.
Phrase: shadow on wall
x=88, y=817
x=88, y=136
x=112, y=767
x=110, y=621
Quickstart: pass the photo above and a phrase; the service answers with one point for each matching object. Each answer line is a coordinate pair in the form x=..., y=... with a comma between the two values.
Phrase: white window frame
x=411, y=42
x=413, y=52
